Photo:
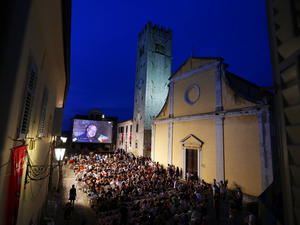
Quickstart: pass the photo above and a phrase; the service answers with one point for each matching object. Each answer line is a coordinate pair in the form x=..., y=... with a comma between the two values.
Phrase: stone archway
x=191, y=155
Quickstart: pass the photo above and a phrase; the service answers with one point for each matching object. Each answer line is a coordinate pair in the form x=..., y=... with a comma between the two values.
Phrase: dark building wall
x=14, y=15
x=284, y=29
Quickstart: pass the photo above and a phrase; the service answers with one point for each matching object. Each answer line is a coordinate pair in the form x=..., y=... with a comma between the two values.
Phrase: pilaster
x=170, y=143
x=183, y=162
x=220, y=149
x=268, y=147
x=171, y=99
x=263, y=148
x=199, y=155
x=219, y=71
x=153, y=142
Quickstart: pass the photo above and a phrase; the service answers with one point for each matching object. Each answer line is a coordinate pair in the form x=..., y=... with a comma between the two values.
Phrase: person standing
x=72, y=195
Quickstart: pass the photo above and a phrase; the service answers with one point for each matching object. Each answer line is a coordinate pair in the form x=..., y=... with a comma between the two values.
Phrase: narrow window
x=28, y=102
x=42, y=123
x=160, y=49
x=141, y=51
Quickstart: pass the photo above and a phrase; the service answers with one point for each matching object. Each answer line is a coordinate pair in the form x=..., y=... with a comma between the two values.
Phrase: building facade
x=216, y=125
x=34, y=75
x=284, y=30
x=153, y=69
x=124, y=137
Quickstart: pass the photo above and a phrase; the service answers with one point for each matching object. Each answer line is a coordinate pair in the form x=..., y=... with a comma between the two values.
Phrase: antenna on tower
x=192, y=55
x=193, y=51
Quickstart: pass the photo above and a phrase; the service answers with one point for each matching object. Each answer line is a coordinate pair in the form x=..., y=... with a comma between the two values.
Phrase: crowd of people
x=126, y=189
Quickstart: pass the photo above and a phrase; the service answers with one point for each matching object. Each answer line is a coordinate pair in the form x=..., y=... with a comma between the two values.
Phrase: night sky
x=104, y=45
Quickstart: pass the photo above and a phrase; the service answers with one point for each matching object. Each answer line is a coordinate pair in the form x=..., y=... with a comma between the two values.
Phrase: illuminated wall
x=204, y=130
x=242, y=154
x=153, y=68
x=161, y=144
x=183, y=90
x=231, y=100
x=124, y=136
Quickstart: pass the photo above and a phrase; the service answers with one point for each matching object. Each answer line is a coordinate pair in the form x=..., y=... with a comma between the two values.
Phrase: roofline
x=130, y=120
x=66, y=7
x=263, y=92
x=194, y=57
x=166, y=102
x=196, y=70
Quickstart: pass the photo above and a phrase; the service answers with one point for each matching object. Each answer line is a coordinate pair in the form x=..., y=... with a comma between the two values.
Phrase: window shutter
x=57, y=121
x=28, y=102
x=42, y=123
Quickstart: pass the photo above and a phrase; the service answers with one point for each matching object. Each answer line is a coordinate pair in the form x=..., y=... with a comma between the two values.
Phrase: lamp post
x=59, y=156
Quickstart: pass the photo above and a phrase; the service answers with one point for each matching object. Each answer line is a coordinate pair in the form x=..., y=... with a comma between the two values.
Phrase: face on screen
x=91, y=131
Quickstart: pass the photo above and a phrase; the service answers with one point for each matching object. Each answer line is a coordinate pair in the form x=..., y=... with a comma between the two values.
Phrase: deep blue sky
x=104, y=43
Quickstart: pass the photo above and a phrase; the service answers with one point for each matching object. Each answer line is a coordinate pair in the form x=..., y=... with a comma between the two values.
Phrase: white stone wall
x=123, y=138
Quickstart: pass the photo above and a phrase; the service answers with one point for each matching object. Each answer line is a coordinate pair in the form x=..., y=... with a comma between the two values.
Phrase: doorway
x=192, y=161
x=191, y=155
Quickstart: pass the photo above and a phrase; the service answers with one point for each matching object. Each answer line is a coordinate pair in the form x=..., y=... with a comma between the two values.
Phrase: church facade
x=216, y=125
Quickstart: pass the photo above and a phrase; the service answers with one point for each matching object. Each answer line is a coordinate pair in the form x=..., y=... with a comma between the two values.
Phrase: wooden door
x=192, y=161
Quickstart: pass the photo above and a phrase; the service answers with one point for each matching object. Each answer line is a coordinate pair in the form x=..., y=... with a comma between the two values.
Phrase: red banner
x=18, y=156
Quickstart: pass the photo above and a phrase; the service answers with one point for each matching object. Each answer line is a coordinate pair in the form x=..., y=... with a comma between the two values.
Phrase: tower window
x=160, y=49
x=137, y=128
x=141, y=51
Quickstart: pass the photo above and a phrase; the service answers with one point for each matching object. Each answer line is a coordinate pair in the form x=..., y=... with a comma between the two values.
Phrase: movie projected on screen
x=91, y=131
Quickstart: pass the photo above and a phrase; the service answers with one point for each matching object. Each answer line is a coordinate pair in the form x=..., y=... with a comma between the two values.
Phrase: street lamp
x=59, y=155
x=63, y=139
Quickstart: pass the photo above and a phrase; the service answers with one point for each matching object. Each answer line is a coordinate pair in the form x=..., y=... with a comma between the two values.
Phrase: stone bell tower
x=153, y=69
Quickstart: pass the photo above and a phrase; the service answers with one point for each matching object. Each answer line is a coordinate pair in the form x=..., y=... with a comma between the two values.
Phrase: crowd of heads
x=126, y=189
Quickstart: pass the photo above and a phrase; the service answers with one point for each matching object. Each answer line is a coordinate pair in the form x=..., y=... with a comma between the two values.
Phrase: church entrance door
x=192, y=161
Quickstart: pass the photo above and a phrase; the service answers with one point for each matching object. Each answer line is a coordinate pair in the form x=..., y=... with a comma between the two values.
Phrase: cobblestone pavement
x=82, y=214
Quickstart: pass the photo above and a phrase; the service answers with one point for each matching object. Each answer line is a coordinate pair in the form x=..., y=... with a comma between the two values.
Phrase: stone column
x=183, y=162
x=199, y=153
x=153, y=142
x=171, y=99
